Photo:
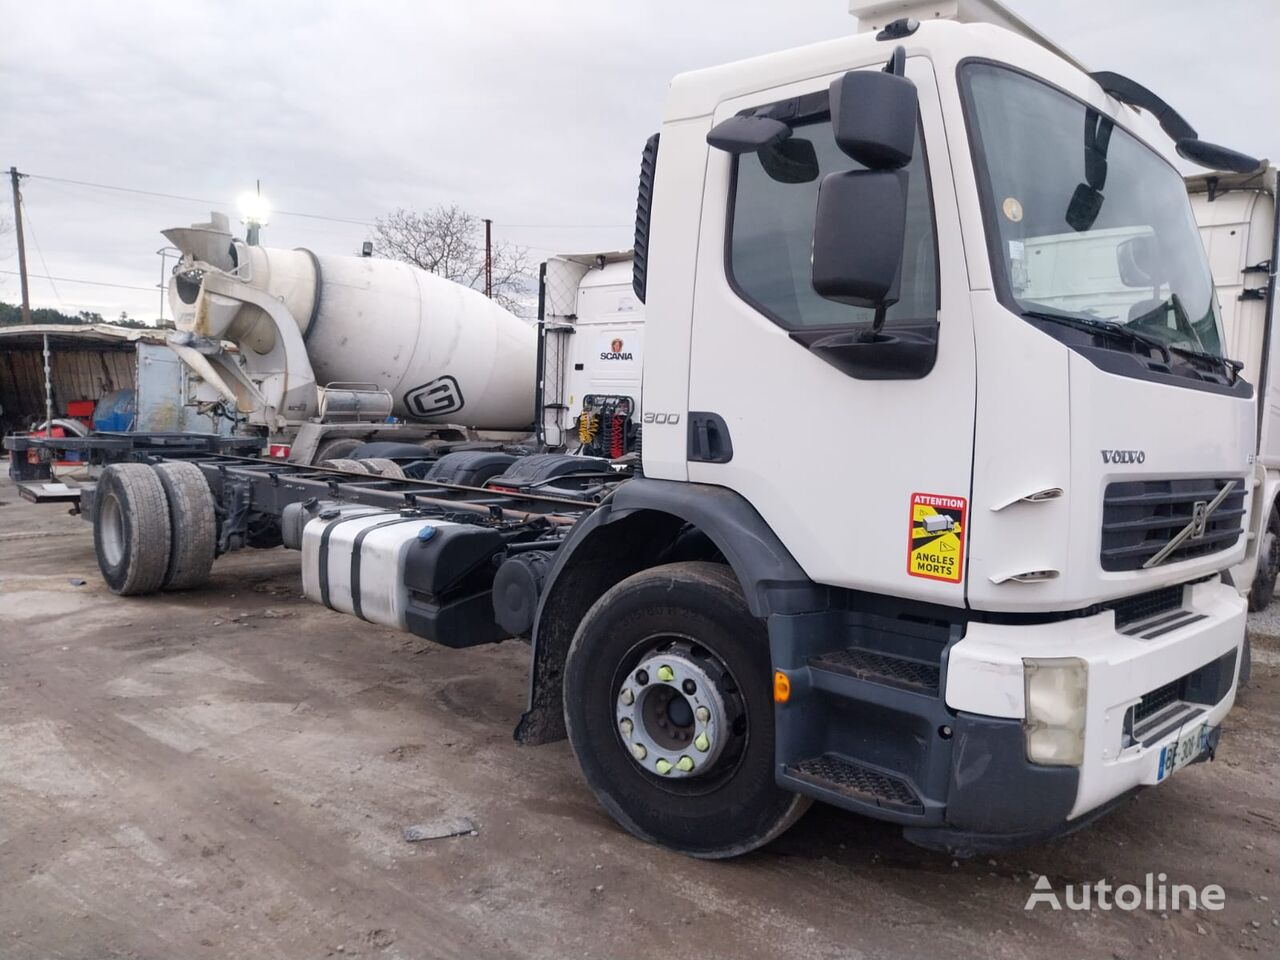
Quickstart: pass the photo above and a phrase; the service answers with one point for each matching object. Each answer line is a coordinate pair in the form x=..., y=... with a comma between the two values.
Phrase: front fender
x=626, y=534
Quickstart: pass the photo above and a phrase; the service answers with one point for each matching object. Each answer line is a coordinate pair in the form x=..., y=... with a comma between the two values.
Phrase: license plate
x=1181, y=752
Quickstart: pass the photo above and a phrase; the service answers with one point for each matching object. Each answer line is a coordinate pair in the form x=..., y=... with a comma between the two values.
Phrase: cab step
x=879, y=667
x=832, y=773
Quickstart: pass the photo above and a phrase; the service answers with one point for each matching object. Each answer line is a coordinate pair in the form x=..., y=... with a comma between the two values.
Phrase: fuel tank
x=443, y=351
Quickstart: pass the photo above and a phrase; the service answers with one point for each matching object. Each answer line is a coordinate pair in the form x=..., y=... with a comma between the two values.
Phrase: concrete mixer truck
x=329, y=347
x=915, y=530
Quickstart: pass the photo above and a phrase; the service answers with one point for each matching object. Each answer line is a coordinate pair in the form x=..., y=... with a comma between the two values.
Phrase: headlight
x=1056, y=696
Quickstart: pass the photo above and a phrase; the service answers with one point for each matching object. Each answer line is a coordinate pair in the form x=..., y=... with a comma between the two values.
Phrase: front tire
x=685, y=631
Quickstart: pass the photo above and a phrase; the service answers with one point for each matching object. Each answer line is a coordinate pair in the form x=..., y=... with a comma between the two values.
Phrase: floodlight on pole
x=255, y=213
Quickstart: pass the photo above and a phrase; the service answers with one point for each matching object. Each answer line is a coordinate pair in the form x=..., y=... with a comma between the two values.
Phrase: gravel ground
x=228, y=773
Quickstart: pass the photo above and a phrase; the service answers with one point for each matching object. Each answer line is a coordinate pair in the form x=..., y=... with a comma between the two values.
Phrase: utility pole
x=22, y=247
x=488, y=256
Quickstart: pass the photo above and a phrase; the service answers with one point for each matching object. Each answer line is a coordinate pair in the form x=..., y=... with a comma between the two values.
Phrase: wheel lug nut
x=689, y=687
x=703, y=714
x=642, y=677
x=663, y=766
x=702, y=742
x=628, y=697
x=684, y=764
x=627, y=726
x=638, y=751
x=666, y=674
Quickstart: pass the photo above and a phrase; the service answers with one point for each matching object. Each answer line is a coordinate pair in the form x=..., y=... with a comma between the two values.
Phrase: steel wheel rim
x=111, y=528
x=676, y=679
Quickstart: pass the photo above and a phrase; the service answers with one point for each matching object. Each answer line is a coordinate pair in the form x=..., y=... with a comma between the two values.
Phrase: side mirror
x=858, y=233
x=873, y=117
x=747, y=134
x=790, y=161
x=1138, y=261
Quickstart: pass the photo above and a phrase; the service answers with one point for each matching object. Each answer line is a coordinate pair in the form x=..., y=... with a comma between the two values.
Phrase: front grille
x=1146, y=605
x=1169, y=707
x=1156, y=700
x=1140, y=516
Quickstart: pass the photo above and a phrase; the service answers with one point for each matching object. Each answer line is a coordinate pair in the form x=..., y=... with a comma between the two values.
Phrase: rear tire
x=132, y=532
x=351, y=466
x=1263, y=588
x=193, y=522
x=383, y=467
x=692, y=615
x=336, y=449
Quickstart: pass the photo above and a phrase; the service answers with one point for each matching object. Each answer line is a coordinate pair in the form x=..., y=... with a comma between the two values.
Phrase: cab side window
x=771, y=236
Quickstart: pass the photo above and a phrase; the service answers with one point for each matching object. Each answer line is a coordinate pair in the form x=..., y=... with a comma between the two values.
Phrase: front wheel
x=669, y=708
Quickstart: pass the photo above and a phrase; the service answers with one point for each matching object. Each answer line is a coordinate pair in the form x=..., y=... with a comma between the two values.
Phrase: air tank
x=443, y=351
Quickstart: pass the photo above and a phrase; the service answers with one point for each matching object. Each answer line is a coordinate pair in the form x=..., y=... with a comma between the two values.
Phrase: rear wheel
x=193, y=523
x=335, y=449
x=351, y=466
x=383, y=467
x=669, y=709
x=132, y=531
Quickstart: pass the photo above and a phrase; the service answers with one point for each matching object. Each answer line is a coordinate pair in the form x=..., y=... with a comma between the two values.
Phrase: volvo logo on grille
x=1199, y=519
x=1201, y=511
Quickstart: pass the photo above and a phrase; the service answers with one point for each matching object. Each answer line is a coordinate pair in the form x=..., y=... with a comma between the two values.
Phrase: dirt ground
x=227, y=773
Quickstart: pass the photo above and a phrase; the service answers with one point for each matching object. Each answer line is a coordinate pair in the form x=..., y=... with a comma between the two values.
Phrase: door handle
x=709, y=440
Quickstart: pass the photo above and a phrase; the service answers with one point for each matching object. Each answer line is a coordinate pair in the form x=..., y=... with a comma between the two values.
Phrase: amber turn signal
x=781, y=687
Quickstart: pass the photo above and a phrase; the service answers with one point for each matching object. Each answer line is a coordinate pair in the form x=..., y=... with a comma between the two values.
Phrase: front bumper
x=985, y=675
x=950, y=764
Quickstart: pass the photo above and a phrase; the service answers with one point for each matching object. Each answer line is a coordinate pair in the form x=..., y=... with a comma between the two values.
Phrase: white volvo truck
x=903, y=537
x=1240, y=227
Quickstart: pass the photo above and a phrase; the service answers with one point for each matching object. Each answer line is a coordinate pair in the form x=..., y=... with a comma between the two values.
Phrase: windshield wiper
x=1174, y=303
x=1104, y=327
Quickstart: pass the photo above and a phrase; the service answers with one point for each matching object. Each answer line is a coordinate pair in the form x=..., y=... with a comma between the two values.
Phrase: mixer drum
x=442, y=351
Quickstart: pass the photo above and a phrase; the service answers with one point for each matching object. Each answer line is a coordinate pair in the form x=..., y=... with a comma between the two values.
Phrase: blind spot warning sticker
x=935, y=547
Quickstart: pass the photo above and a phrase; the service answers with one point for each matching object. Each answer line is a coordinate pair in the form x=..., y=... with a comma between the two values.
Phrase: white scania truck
x=916, y=530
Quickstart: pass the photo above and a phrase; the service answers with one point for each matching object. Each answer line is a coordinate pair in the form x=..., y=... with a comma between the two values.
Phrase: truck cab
x=1040, y=363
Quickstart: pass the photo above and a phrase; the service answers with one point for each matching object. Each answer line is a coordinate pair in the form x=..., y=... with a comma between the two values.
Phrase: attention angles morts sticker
x=935, y=542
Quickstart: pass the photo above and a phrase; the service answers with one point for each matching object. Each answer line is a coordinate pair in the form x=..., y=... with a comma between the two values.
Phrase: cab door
x=846, y=467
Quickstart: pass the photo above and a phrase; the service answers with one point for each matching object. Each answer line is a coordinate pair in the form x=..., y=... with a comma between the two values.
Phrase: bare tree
x=449, y=242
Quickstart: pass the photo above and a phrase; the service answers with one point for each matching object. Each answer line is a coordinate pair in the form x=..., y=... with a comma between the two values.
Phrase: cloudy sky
x=531, y=113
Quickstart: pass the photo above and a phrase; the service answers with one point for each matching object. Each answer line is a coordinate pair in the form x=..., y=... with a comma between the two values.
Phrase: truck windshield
x=1089, y=227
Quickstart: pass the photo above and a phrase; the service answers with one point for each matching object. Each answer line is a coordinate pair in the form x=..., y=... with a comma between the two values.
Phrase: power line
x=565, y=226
x=95, y=283
x=178, y=196
x=314, y=216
